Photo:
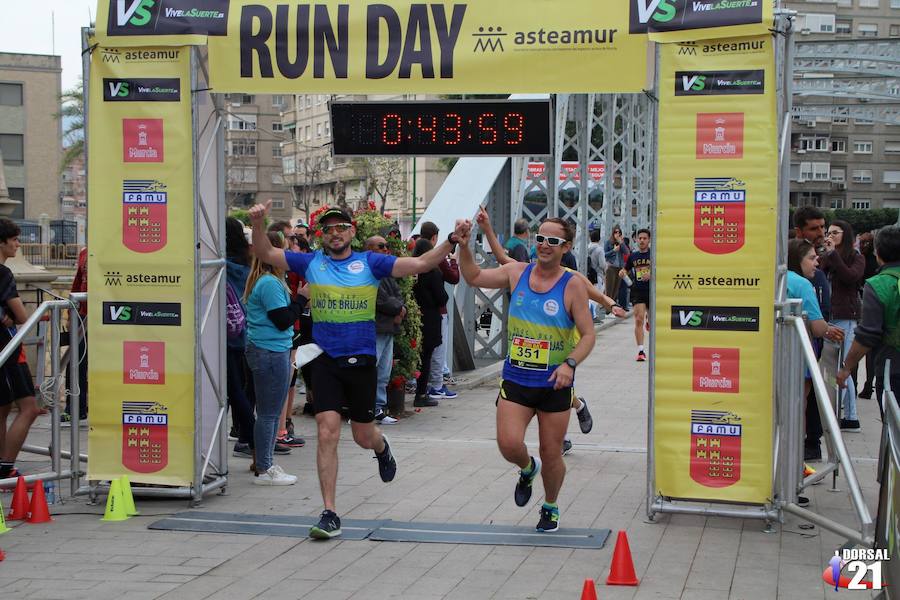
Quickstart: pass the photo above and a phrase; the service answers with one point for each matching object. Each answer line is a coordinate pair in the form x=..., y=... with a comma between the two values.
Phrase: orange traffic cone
x=590, y=591
x=621, y=572
x=18, y=510
x=40, y=512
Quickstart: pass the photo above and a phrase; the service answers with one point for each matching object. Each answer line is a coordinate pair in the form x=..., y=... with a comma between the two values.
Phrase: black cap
x=336, y=211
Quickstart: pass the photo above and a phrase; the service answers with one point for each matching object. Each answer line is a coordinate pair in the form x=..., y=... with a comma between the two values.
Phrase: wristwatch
x=571, y=362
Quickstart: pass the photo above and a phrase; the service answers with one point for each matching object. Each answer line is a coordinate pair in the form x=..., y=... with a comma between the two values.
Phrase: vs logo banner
x=141, y=90
x=678, y=15
x=173, y=17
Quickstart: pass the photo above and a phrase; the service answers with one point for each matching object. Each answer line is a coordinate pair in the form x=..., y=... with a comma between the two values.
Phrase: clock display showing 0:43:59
x=447, y=128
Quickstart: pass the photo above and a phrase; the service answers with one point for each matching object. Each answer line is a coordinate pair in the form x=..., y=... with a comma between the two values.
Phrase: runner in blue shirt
x=343, y=285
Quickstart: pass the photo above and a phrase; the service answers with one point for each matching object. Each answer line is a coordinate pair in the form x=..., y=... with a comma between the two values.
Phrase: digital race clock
x=441, y=128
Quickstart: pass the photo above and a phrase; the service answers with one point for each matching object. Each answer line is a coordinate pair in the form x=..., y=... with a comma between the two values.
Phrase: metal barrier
x=797, y=349
x=887, y=528
x=50, y=387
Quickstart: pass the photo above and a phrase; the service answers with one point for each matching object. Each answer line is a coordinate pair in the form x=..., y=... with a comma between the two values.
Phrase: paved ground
x=449, y=470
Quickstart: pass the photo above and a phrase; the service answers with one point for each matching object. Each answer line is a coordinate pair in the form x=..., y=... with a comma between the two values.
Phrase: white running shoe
x=275, y=476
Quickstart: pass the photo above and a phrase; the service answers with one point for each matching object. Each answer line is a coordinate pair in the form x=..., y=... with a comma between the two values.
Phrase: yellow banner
x=141, y=266
x=690, y=20
x=442, y=47
x=715, y=270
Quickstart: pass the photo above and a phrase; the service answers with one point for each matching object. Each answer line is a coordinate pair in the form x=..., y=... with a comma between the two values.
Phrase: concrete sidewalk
x=449, y=471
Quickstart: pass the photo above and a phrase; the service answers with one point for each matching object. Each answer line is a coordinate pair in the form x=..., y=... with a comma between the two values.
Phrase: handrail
x=25, y=328
x=832, y=426
x=892, y=413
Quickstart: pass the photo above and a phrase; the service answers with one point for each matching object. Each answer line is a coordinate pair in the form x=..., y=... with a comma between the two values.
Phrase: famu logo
x=719, y=83
x=150, y=17
x=141, y=90
x=677, y=15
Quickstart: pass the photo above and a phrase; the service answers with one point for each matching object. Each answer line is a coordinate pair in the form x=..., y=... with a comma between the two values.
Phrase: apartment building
x=845, y=162
x=318, y=178
x=253, y=144
x=31, y=133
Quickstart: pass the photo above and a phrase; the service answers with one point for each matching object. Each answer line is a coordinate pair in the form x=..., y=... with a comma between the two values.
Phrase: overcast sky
x=25, y=27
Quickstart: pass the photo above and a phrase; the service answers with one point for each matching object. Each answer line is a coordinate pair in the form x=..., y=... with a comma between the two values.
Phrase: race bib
x=528, y=353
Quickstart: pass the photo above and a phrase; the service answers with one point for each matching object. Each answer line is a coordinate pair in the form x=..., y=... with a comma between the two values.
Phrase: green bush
x=371, y=222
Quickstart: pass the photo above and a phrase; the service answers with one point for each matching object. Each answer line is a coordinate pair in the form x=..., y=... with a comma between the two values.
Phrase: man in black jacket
x=389, y=313
x=809, y=224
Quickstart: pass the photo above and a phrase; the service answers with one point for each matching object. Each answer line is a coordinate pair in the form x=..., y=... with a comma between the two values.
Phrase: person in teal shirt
x=270, y=318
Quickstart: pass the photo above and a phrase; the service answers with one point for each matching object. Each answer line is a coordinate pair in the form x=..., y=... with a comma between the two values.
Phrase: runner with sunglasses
x=343, y=285
x=585, y=421
x=548, y=311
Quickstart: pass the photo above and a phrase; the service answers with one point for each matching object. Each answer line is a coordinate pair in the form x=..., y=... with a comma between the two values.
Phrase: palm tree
x=72, y=111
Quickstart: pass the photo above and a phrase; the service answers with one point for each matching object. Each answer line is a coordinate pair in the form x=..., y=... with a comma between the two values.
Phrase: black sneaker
x=281, y=449
x=567, y=446
x=329, y=526
x=549, y=519
x=387, y=466
x=851, y=425
x=424, y=400
x=290, y=441
x=802, y=501
x=585, y=420
x=242, y=451
x=523, y=487
x=812, y=452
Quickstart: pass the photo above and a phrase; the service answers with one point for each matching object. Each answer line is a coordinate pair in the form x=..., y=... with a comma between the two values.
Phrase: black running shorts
x=539, y=398
x=15, y=381
x=640, y=297
x=346, y=385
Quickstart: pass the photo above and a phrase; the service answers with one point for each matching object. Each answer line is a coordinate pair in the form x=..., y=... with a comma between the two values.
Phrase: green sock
x=551, y=506
x=529, y=471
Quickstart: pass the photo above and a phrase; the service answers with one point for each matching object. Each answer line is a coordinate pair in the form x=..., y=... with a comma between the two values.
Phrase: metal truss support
x=856, y=57
x=614, y=129
x=874, y=88
x=881, y=113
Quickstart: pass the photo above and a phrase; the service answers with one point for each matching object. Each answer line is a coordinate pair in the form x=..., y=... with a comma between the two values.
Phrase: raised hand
x=462, y=230
x=259, y=211
x=483, y=219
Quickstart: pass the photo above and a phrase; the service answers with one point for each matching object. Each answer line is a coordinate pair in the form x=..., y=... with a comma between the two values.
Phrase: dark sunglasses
x=381, y=246
x=551, y=240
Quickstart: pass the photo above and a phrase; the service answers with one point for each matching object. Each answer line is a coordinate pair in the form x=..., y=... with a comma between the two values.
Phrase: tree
x=72, y=114
x=308, y=176
x=386, y=177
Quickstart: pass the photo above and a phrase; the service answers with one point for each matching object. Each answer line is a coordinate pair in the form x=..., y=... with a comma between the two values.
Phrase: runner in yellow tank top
x=549, y=304
x=579, y=404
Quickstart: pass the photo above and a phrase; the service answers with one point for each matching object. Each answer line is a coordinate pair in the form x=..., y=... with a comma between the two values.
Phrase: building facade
x=404, y=186
x=253, y=149
x=31, y=133
x=845, y=162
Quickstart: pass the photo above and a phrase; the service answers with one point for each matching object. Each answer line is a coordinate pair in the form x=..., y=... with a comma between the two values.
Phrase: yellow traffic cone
x=3, y=527
x=130, y=509
x=115, y=505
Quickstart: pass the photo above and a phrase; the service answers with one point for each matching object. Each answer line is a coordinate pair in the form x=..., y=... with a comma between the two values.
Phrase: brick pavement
x=449, y=471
